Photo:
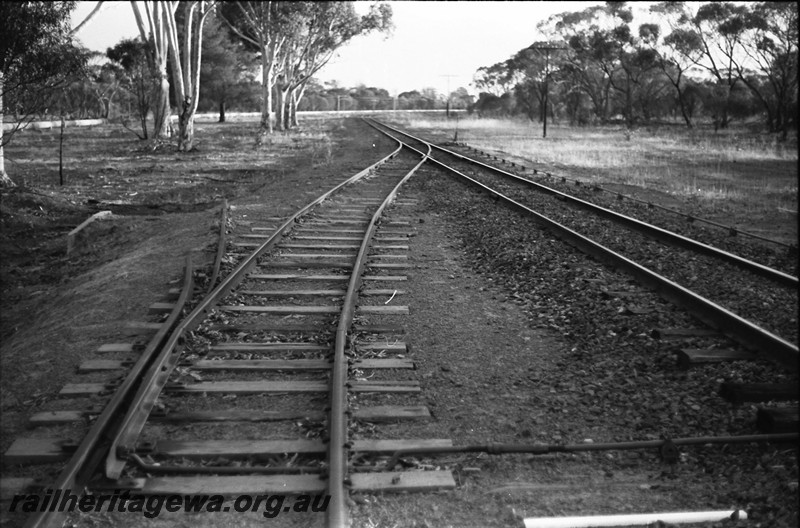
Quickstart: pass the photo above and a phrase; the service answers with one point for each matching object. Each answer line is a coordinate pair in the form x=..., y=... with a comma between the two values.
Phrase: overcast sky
x=434, y=44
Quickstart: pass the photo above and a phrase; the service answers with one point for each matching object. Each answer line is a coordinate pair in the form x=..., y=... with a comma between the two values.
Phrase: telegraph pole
x=546, y=47
x=448, y=91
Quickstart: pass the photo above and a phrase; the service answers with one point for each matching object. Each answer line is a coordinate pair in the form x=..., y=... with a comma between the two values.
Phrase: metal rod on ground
x=635, y=519
x=542, y=449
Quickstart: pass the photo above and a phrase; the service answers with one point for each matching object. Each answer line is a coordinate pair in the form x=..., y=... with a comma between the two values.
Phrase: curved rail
x=741, y=330
x=658, y=233
x=337, y=449
x=163, y=365
x=91, y=450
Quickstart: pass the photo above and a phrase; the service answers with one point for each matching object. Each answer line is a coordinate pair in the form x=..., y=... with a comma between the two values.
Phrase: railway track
x=287, y=327
x=577, y=296
x=271, y=385
x=738, y=285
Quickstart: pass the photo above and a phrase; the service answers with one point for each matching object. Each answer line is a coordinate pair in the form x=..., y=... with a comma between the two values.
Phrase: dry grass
x=729, y=165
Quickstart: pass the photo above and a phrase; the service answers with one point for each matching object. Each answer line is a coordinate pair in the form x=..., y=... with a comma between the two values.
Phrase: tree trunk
x=5, y=181
x=186, y=127
x=676, y=83
x=142, y=105
x=293, y=108
x=287, y=111
x=186, y=68
x=297, y=96
x=89, y=17
x=143, y=120
x=144, y=109
x=157, y=61
x=280, y=105
x=162, y=126
x=684, y=112
x=266, y=94
x=724, y=118
x=222, y=111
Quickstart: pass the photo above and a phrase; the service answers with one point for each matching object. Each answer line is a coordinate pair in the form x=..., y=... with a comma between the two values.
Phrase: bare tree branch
x=99, y=7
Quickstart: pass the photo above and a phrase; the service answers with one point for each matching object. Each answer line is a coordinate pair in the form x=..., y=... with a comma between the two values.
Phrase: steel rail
x=168, y=357
x=543, y=449
x=337, y=422
x=650, y=230
x=691, y=218
x=93, y=447
x=733, y=231
x=750, y=335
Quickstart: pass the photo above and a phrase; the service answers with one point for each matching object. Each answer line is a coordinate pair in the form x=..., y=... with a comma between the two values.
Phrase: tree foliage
x=225, y=73
x=294, y=41
x=130, y=57
x=36, y=58
x=719, y=60
x=151, y=21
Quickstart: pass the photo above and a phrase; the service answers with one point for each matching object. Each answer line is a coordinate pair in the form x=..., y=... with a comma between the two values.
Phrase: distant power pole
x=448, y=92
x=546, y=47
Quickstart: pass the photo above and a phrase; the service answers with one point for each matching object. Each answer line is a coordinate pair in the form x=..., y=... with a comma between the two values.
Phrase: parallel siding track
x=769, y=329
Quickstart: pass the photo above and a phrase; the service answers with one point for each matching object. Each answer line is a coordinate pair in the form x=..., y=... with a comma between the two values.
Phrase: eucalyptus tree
x=720, y=26
x=186, y=58
x=88, y=95
x=678, y=52
x=587, y=65
x=182, y=46
x=752, y=44
x=136, y=79
x=106, y=79
x=496, y=79
x=321, y=29
x=150, y=19
x=262, y=27
x=36, y=58
x=527, y=70
x=641, y=84
x=608, y=57
x=226, y=67
x=709, y=37
x=770, y=42
x=295, y=40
